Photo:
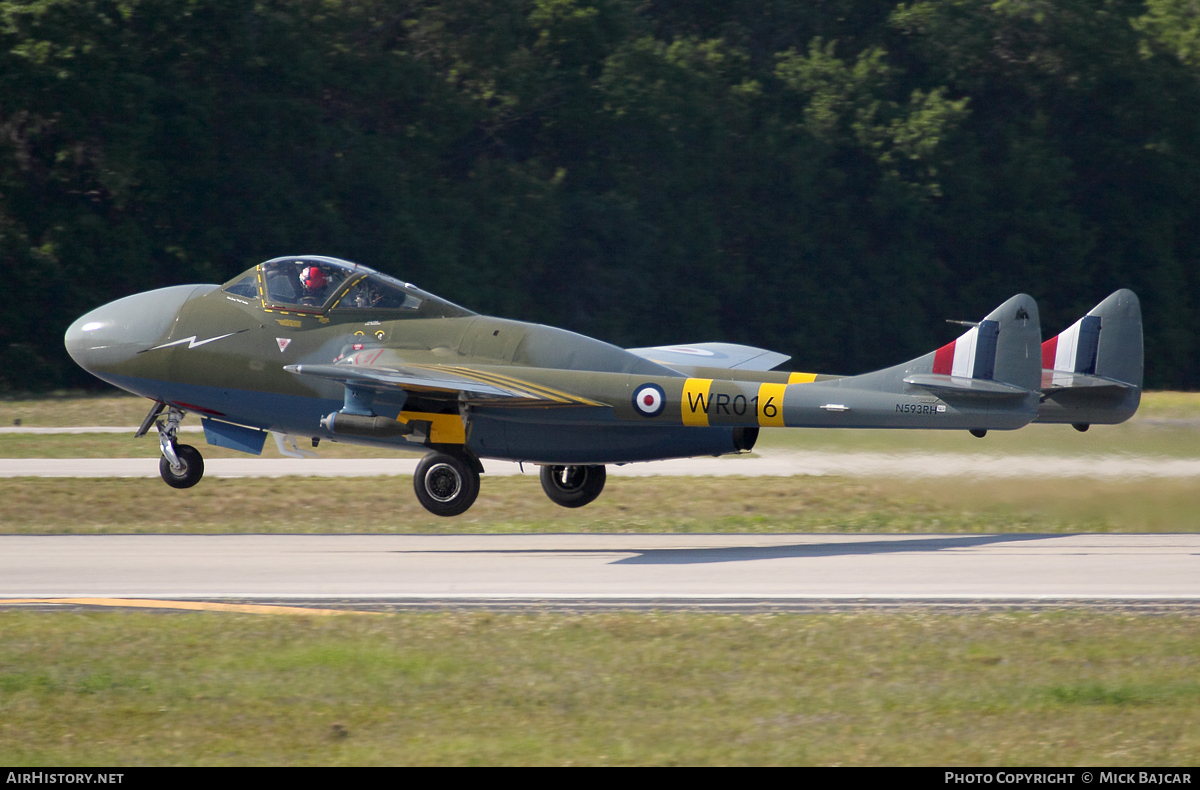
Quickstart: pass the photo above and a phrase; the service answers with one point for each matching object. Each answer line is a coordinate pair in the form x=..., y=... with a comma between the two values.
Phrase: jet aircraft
x=313, y=346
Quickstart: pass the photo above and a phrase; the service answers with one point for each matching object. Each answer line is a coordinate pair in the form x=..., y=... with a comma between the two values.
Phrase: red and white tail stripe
x=1074, y=349
x=958, y=357
x=1058, y=353
x=971, y=356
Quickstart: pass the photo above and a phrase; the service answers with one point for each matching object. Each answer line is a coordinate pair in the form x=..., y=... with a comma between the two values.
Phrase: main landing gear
x=573, y=486
x=447, y=484
x=181, y=465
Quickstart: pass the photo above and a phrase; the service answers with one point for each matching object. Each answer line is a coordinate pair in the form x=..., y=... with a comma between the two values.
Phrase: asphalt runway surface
x=609, y=571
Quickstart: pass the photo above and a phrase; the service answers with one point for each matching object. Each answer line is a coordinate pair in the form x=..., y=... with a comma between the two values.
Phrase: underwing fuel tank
x=358, y=425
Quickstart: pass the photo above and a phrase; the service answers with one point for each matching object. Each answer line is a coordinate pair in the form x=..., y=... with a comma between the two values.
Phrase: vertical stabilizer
x=1092, y=370
x=999, y=348
x=985, y=379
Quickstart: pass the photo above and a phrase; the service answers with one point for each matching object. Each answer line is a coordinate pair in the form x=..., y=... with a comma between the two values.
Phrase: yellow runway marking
x=201, y=606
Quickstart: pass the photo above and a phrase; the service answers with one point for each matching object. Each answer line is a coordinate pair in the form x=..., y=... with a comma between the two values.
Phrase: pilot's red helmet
x=312, y=278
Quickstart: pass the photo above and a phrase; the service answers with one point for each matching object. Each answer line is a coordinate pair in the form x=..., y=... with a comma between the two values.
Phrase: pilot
x=313, y=281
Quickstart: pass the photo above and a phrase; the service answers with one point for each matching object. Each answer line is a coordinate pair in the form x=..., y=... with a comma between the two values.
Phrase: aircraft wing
x=713, y=355
x=450, y=381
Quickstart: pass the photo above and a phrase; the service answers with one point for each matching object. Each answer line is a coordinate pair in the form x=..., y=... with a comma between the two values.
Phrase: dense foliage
x=827, y=179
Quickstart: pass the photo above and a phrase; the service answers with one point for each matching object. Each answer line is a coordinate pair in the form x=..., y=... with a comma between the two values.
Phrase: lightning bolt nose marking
x=193, y=342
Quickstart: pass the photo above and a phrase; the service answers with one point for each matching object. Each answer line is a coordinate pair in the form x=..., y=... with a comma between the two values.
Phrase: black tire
x=192, y=467
x=573, y=486
x=445, y=485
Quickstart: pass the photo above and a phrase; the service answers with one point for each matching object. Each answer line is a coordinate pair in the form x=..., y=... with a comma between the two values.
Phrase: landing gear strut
x=573, y=486
x=181, y=465
x=446, y=485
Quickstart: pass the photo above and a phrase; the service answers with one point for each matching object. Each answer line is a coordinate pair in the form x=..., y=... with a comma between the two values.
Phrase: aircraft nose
x=114, y=333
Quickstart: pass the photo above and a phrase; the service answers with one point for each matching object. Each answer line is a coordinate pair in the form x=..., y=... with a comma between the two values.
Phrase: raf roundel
x=649, y=400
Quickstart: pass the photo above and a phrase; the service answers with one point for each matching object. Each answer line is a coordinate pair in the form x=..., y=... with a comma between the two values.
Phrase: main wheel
x=573, y=486
x=191, y=467
x=445, y=485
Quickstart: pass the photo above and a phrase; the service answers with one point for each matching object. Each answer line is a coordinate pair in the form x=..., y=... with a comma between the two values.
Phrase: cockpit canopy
x=316, y=284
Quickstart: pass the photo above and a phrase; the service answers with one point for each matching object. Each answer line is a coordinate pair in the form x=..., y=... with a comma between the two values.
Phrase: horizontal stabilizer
x=1056, y=380
x=958, y=385
x=729, y=356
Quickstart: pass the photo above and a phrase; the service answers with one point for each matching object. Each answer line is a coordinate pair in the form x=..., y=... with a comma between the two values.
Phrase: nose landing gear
x=187, y=470
x=181, y=465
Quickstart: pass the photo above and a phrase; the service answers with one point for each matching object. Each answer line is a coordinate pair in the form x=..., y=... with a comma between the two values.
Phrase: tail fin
x=986, y=379
x=996, y=356
x=1092, y=371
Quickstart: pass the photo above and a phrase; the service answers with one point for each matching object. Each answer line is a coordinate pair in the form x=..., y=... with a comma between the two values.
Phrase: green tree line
x=830, y=179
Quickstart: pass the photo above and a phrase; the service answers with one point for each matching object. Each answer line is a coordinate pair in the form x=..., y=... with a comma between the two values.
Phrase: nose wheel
x=573, y=486
x=188, y=471
x=181, y=465
x=446, y=485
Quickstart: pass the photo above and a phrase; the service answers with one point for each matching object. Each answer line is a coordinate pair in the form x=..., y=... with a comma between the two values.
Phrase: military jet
x=317, y=347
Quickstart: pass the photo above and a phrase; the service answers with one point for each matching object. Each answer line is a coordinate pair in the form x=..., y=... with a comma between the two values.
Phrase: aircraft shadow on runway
x=748, y=553
x=687, y=556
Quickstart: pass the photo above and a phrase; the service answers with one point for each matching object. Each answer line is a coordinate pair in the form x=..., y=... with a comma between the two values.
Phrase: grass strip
x=464, y=688
x=386, y=505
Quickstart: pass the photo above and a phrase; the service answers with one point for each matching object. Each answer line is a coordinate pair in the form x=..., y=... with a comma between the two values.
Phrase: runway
x=633, y=571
